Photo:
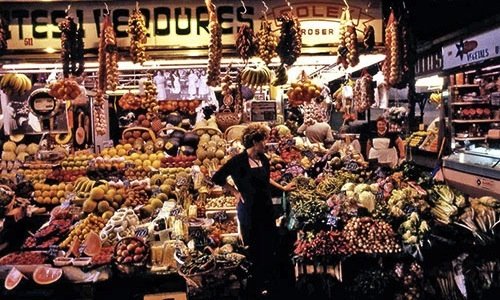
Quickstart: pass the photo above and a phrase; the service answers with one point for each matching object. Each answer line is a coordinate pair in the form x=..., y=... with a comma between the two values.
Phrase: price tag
x=141, y=232
x=53, y=250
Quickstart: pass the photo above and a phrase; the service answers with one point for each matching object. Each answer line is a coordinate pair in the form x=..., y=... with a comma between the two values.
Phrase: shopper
x=382, y=144
x=317, y=132
x=250, y=172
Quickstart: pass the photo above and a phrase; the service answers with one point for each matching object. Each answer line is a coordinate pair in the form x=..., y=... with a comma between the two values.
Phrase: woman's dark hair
x=254, y=133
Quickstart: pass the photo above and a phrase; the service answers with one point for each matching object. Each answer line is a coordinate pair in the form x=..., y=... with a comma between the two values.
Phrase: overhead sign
x=472, y=50
x=181, y=24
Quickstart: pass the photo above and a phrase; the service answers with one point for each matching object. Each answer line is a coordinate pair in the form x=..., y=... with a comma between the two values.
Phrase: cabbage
x=367, y=200
x=361, y=187
x=349, y=186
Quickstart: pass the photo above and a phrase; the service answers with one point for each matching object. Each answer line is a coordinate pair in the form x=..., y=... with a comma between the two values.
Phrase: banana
x=251, y=77
x=244, y=75
x=6, y=79
x=15, y=83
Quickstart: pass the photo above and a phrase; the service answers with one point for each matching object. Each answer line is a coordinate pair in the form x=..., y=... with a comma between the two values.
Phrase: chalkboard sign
x=261, y=111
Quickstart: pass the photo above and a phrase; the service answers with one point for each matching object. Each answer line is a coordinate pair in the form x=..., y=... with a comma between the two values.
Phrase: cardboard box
x=166, y=296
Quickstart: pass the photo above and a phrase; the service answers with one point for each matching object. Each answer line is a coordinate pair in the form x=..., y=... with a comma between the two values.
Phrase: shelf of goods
x=476, y=121
x=475, y=138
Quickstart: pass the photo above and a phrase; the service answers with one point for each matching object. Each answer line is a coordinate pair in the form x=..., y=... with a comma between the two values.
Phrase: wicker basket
x=132, y=267
x=226, y=118
x=234, y=132
x=208, y=129
x=148, y=130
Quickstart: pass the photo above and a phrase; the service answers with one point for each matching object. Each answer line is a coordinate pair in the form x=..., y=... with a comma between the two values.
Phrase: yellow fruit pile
x=51, y=194
x=80, y=232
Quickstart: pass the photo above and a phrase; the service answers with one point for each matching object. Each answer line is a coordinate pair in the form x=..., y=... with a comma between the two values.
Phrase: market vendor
x=387, y=147
x=250, y=171
x=317, y=132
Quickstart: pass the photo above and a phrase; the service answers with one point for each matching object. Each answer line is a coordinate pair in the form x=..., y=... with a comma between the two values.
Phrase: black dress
x=257, y=223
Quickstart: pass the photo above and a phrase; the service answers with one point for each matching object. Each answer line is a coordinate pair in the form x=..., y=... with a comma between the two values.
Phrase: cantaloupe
x=13, y=278
x=92, y=244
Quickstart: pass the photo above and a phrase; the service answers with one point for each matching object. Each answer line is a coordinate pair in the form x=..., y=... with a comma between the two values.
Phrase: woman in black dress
x=251, y=175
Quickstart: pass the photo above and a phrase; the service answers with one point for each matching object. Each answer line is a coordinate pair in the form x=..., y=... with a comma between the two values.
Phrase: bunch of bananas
x=138, y=36
x=15, y=83
x=435, y=98
x=246, y=42
x=148, y=101
x=290, y=44
x=256, y=77
x=267, y=42
x=215, y=46
x=111, y=58
x=281, y=76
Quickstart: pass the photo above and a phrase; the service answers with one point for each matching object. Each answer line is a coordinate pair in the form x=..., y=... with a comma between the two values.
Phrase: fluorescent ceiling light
x=365, y=61
x=432, y=81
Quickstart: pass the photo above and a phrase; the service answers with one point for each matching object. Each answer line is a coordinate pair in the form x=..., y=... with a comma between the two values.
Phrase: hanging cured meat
x=290, y=43
x=3, y=34
x=71, y=47
x=215, y=46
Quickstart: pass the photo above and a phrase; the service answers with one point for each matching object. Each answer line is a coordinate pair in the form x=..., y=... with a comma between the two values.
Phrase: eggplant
x=188, y=150
x=191, y=139
x=172, y=146
x=174, y=118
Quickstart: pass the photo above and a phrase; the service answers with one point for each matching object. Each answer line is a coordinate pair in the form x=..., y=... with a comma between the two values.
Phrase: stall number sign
x=261, y=111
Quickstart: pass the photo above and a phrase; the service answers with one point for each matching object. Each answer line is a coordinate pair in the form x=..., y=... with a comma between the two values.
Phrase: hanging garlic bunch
x=267, y=42
x=138, y=36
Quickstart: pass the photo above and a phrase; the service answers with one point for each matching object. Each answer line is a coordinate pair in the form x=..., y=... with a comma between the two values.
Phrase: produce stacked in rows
x=267, y=42
x=80, y=232
x=348, y=49
x=246, y=43
x=303, y=91
x=214, y=47
x=71, y=47
x=13, y=83
x=138, y=36
x=290, y=44
x=129, y=101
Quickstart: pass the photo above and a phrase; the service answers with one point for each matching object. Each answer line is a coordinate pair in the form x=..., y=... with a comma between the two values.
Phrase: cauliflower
x=349, y=186
x=361, y=188
x=374, y=188
x=367, y=200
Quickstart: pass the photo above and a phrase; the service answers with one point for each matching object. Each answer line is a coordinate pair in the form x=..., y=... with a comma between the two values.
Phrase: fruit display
x=131, y=251
x=64, y=89
x=13, y=278
x=186, y=106
x=348, y=49
x=14, y=83
x=392, y=68
x=122, y=224
x=24, y=258
x=215, y=46
x=44, y=275
x=256, y=77
x=267, y=42
x=129, y=101
x=81, y=230
x=222, y=202
x=72, y=48
x=366, y=235
x=290, y=43
x=364, y=95
x=211, y=151
x=246, y=44
x=302, y=91
x=138, y=35
x=416, y=138
x=430, y=143
x=51, y=194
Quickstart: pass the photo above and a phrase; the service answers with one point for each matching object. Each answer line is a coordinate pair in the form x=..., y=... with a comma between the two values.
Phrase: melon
x=92, y=244
x=13, y=279
x=46, y=275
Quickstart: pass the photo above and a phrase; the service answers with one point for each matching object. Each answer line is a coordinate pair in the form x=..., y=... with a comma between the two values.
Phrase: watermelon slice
x=13, y=279
x=46, y=275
